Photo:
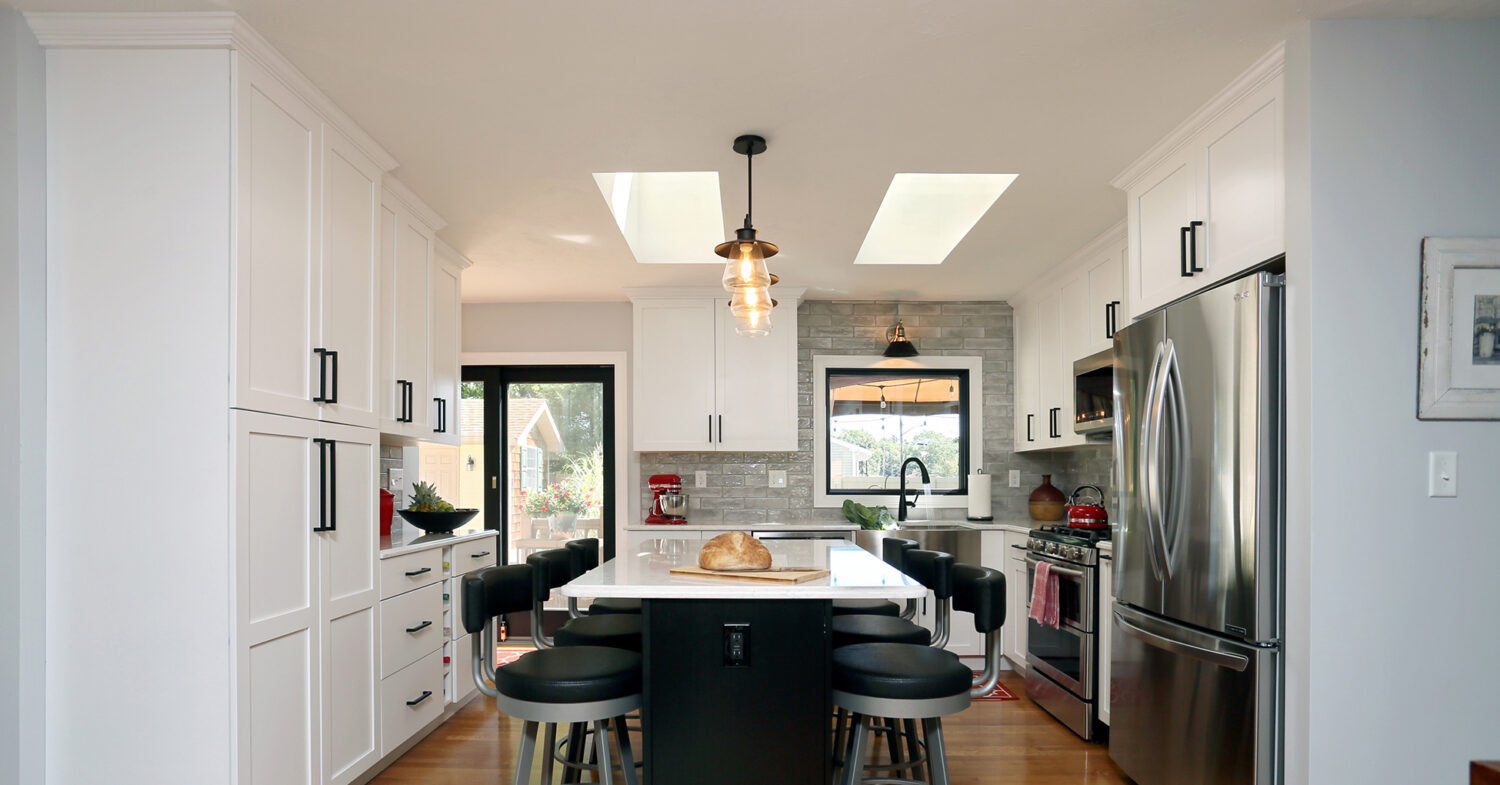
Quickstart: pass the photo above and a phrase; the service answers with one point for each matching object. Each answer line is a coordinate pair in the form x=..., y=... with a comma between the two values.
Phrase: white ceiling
x=499, y=113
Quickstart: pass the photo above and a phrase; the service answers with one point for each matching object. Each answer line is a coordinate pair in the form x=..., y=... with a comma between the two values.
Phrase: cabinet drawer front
x=411, y=626
x=400, y=718
x=473, y=555
x=404, y=573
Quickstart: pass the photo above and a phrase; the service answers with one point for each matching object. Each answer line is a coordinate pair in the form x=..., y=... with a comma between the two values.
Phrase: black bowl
x=438, y=522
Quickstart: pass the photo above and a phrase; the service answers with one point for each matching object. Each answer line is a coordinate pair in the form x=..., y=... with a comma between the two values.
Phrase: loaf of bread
x=734, y=551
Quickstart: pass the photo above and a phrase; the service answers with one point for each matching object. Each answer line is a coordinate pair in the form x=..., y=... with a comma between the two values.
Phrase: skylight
x=666, y=217
x=924, y=216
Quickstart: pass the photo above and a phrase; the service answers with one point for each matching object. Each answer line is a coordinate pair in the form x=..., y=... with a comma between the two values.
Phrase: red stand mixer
x=669, y=504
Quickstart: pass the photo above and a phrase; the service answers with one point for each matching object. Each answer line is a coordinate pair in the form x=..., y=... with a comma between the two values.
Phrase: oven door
x=1065, y=654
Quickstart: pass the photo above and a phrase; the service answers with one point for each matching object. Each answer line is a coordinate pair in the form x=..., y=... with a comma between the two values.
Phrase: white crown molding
x=1113, y=236
x=408, y=198
x=784, y=295
x=197, y=30
x=451, y=254
x=1268, y=67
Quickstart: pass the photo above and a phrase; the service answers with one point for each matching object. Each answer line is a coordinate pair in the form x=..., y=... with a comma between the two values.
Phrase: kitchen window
x=872, y=413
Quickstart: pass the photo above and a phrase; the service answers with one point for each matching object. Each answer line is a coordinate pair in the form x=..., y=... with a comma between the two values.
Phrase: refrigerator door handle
x=1179, y=466
x=1151, y=436
x=1234, y=662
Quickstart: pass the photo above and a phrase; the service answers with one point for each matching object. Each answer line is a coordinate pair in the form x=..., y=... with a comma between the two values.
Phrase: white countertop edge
x=667, y=528
x=735, y=590
x=439, y=541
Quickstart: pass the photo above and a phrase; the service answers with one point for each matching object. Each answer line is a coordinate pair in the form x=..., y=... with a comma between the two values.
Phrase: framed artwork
x=1459, y=359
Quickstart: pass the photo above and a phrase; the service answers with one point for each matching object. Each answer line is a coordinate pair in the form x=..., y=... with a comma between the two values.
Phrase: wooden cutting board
x=773, y=575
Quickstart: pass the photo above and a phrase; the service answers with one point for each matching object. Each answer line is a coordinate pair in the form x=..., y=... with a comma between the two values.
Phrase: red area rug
x=505, y=655
x=997, y=694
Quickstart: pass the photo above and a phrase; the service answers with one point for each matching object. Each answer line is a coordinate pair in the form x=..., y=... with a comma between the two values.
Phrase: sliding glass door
x=548, y=453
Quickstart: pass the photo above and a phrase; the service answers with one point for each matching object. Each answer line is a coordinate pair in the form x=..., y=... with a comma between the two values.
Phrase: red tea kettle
x=1087, y=516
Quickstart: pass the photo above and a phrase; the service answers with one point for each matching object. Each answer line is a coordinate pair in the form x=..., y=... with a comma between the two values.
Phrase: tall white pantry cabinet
x=216, y=379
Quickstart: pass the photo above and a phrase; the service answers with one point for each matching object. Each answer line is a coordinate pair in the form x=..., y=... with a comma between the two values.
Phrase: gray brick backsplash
x=737, y=489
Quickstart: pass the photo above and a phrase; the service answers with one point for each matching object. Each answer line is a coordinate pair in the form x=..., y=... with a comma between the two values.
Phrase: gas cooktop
x=1060, y=533
x=1076, y=545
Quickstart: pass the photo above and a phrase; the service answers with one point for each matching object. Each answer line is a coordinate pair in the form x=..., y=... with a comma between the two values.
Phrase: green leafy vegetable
x=875, y=518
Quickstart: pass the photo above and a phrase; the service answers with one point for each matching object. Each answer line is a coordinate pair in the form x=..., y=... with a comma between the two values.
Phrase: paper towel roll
x=979, y=496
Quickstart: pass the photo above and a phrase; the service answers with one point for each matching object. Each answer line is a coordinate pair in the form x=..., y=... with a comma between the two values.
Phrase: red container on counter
x=387, y=509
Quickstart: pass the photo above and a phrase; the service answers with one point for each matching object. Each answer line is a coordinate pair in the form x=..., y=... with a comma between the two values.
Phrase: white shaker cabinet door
x=674, y=374
x=756, y=399
x=276, y=502
x=278, y=144
x=1106, y=278
x=1159, y=210
x=350, y=597
x=443, y=328
x=349, y=274
x=1030, y=422
x=1244, y=182
x=406, y=253
x=1055, y=389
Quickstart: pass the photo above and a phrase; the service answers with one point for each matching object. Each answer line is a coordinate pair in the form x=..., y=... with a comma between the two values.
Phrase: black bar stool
x=586, y=557
x=552, y=569
x=919, y=682
x=581, y=684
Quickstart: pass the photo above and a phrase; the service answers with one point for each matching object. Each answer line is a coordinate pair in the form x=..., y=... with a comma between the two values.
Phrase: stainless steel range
x=1064, y=662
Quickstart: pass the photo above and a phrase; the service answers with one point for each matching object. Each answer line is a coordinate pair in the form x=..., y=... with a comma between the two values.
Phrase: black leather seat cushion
x=578, y=674
x=619, y=630
x=875, y=607
x=606, y=605
x=851, y=630
x=899, y=670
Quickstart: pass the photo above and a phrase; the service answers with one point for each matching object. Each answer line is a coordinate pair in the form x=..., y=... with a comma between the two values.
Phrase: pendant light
x=745, y=275
x=899, y=346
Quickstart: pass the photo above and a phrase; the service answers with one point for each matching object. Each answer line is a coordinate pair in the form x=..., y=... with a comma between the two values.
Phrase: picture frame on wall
x=1459, y=355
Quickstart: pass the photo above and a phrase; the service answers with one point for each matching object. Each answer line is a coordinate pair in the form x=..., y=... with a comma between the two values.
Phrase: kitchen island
x=737, y=676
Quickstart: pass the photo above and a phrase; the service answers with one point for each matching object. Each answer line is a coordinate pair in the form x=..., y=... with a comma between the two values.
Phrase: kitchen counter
x=854, y=574
x=409, y=539
x=811, y=526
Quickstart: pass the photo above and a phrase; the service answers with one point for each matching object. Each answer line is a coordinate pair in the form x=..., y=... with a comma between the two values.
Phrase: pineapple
x=426, y=499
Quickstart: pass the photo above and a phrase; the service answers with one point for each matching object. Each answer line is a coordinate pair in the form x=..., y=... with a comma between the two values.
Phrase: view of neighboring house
x=532, y=438
x=846, y=460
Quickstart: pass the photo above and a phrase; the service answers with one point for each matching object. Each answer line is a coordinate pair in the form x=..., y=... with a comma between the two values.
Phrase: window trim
x=948, y=500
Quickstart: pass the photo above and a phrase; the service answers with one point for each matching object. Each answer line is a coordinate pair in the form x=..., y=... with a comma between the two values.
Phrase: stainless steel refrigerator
x=1196, y=666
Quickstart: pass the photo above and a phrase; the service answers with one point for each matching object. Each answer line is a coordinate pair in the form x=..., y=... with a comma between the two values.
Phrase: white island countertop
x=854, y=573
x=808, y=526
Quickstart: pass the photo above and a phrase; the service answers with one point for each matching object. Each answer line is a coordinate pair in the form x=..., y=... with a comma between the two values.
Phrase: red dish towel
x=1045, y=604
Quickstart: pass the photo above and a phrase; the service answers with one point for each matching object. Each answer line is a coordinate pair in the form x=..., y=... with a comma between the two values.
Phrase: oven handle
x=1235, y=662
x=1058, y=568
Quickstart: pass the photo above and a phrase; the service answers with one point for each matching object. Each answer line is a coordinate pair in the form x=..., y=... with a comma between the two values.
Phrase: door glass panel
x=554, y=448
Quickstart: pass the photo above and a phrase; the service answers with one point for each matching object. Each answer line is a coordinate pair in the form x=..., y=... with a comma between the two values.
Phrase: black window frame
x=964, y=421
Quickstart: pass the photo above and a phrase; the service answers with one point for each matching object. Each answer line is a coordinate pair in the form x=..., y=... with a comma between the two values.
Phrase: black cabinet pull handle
x=721, y=429
x=1028, y=427
x=415, y=573
x=1052, y=422
x=327, y=486
x=438, y=420
x=322, y=396
x=1111, y=319
x=1185, y=272
x=1108, y=308
x=401, y=394
x=1193, y=246
x=425, y=695
x=479, y=555
x=443, y=412
x=411, y=401
x=334, y=398
x=710, y=429
x=424, y=625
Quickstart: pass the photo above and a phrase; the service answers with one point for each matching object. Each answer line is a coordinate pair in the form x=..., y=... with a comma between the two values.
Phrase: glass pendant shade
x=746, y=266
x=751, y=306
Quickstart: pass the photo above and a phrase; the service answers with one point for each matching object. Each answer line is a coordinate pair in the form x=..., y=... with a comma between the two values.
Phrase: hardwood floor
x=993, y=743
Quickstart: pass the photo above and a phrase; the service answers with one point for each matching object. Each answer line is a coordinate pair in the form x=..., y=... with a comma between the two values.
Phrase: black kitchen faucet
x=902, y=503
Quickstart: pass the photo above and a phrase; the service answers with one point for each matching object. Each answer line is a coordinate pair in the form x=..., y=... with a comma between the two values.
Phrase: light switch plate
x=1015, y=478
x=1442, y=474
x=700, y=479
x=397, y=480
x=776, y=478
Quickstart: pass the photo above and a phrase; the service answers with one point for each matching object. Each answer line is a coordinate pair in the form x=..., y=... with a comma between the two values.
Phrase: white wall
x=1404, y=613
x=22, y=401
x=139, y=610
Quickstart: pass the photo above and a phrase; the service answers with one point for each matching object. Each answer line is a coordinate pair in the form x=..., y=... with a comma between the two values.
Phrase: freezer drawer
x=1189, y=707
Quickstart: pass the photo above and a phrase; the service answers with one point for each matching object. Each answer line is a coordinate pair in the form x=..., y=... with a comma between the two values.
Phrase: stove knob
x=1052, y=548
x=1077, y=552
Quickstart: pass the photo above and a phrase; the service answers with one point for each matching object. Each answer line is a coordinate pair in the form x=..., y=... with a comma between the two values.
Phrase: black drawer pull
x=1192, y=247
x=424, y=625
x=1186, y=273
x=415, y=573
x=334, y=398
x=425, y=695
x=1028, y=427
x=479, y=555
x=322, y=396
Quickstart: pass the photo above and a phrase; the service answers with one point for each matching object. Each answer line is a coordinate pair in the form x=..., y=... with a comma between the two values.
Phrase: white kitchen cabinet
x=1107, y=311
x=1015, y=615
x=406, y=250
x=1207, y=202
x=307, y=588
x=1029, y=422
x=443, y=324
x=304, y=302
x=701, y=386
x=1105, y=627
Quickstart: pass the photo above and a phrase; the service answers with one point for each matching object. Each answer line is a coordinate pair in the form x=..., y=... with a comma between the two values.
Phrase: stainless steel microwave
x=1094, y=393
